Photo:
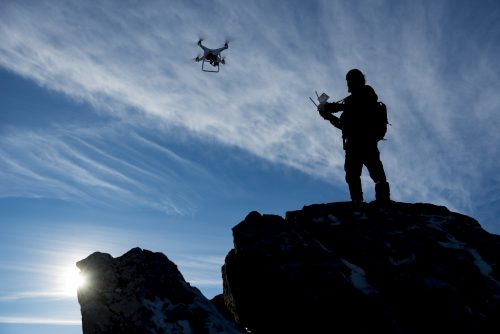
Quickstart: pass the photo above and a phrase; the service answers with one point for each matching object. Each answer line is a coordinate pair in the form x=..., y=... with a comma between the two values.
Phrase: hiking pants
x=368, y=155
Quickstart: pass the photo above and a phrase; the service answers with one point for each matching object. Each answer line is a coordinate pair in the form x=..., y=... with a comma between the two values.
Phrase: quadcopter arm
x=202, y=46
x=219, y=50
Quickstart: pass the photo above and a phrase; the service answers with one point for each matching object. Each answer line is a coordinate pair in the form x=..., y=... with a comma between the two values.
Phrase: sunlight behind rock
x=72, y=280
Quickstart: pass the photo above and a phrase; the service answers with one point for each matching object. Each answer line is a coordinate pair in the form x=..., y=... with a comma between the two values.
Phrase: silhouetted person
x=360, y=139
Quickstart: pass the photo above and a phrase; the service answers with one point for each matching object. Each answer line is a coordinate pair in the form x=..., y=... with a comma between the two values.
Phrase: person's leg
x=376, y=169
x=382, y=192
x=353, y=167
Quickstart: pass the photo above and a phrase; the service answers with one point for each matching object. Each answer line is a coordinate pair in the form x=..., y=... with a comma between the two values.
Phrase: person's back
x=358, y=116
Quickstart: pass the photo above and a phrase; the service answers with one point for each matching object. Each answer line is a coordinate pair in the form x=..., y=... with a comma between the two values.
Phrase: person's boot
x=356, y=192
x=382, y=192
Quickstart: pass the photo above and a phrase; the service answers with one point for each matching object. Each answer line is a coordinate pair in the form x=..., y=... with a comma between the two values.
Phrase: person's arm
x=331, y=107
x=334, y=120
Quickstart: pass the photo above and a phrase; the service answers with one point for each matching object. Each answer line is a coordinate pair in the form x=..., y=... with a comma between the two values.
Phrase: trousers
x=357, y=156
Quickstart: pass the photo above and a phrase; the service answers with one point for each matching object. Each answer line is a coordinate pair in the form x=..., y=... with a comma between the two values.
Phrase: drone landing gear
x=215, y=70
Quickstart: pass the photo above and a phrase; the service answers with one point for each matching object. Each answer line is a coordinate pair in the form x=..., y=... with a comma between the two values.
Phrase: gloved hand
x=321, y=107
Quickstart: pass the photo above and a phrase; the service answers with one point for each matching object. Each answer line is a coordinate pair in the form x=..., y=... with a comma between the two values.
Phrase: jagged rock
x=347, y=268
x=329, y=268
x=143, y=292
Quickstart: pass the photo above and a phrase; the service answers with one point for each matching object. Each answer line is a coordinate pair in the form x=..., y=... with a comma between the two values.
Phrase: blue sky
x=111, y=137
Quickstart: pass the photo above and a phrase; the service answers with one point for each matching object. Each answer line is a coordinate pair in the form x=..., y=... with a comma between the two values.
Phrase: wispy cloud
x=36, y=295
x=243, y=110
x=39, y=321
x=133, y=61
x=202, y=271
x=99, y=165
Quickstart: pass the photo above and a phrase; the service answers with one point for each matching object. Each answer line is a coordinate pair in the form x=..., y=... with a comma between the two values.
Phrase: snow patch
x=180, y=327
x=437, y=220
x=156, y=306
x=452, y=243
x=399, y=262
x=360, y=215
x=334, y=220
x=358, y=278
x=484, y=268
x=318, y=220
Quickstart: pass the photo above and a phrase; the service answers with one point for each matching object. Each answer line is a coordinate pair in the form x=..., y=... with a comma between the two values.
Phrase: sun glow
x=72, y=280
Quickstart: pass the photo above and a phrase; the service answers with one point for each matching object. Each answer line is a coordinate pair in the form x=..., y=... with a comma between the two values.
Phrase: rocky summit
x=142, y=292
x=327, y=268
x=364, y=268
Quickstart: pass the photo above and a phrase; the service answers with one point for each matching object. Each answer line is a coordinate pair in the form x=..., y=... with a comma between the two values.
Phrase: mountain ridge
x=396, y=268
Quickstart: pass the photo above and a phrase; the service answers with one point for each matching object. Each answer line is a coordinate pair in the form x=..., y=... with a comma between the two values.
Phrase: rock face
x=142, y=292
x=346, y=268
x=328, y=268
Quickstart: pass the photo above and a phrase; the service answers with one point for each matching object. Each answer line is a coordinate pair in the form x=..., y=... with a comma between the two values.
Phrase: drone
x=212, y=56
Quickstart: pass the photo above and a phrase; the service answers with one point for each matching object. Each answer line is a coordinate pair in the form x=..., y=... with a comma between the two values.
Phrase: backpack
x=380, y=121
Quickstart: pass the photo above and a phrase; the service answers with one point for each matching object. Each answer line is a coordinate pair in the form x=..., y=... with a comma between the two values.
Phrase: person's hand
x=324, y=114
x=321, y=107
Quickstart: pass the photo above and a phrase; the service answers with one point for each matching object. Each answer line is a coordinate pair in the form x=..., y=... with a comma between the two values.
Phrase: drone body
x=212, y=56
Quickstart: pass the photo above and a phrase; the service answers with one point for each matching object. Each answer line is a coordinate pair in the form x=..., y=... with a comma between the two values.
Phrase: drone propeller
x=198, y=42
x=201, y=38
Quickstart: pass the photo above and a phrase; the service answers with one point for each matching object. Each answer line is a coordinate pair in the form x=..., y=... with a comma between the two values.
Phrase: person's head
x=355, y=80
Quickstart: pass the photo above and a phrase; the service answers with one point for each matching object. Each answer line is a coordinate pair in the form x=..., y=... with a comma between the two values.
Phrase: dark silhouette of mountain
x=142, y=292
x=328, y=268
